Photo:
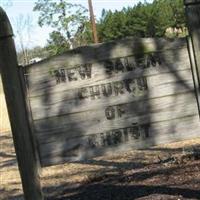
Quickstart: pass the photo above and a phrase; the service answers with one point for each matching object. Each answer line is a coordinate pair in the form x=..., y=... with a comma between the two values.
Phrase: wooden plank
x=118, y=116
x=15, y=99
x=119, y=140
x=99, y=71
x=130, y=63
x=194, y=73
x=189, y=2
x=109, y=50
x=193, y=16
x=127, y=86
x=72, y=101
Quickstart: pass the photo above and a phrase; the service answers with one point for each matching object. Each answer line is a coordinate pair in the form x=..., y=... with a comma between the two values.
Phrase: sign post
x=192, y=8
x=15, y=99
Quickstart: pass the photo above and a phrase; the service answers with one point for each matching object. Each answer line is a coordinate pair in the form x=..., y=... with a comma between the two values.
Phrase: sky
x=39, y=36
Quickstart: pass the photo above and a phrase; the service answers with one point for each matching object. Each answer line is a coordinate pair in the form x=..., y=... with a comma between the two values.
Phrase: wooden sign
x=112, y=97
x=100, y=99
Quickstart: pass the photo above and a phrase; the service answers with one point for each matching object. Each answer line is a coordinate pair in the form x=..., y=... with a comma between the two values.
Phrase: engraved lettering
x=129, y=63
x=137, y=87
x=153, y=59
x=103, y=139
x=63, y=76
x=142, y=83
x=119, y=65
x=120, y=110
x=57, y=76
x=118, y=88
x=60, y=76
x=71, y=73
x=127, y=85
x=133, y=86
x=83, y=93
x=95, y=92
x=92, y=141
x=141, y=62
x=119, y=136
x=126, y=136
x=106, y=89
x=144, y=130
x=109, y=138
x=109, y=66
x=85, y=71
x=110, y=113
x=134, y=132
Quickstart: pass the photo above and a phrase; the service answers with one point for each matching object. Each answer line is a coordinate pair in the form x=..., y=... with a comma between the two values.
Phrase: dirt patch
x=164, y=172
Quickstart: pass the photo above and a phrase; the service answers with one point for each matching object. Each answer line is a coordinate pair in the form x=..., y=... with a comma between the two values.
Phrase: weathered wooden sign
x=111, y=97
x=100, y=99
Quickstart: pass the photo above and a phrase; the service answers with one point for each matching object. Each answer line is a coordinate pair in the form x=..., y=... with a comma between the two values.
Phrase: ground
x=164, y=172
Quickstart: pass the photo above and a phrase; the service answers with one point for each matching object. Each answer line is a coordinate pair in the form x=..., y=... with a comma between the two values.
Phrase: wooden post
x=15, y=99
x=192, y=8
x=92, y=19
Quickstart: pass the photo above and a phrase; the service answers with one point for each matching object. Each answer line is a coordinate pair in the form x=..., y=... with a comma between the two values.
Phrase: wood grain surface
x=131, y=93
